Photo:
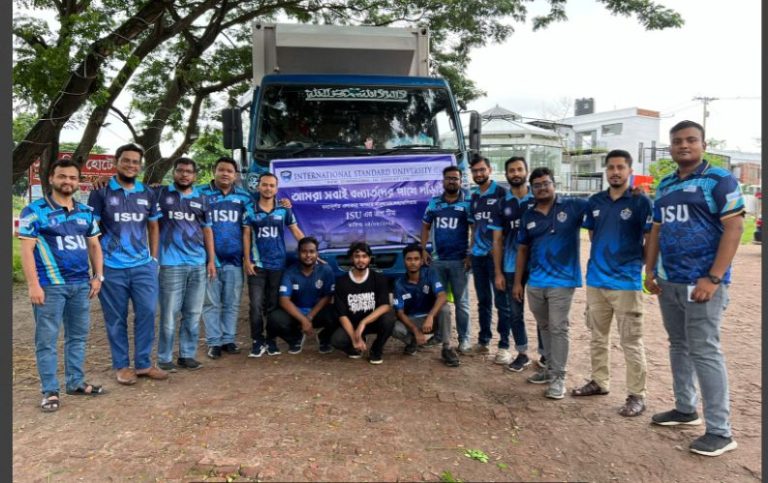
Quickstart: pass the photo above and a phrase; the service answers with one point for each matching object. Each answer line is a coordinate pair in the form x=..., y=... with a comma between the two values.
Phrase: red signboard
x=97, y=166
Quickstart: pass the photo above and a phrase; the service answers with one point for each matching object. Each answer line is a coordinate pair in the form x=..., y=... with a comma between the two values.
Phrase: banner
x=97, y=166
x=377, y=199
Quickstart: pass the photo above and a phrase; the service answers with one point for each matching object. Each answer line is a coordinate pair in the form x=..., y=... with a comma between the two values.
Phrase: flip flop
x=82, y=390
x=50, y=405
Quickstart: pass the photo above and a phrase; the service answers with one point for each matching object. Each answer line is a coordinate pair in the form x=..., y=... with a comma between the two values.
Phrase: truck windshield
x=361, y=118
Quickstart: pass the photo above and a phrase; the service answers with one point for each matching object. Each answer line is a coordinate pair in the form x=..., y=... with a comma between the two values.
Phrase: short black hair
x=412, y=247
x=450, y=169
x=128, y=147
x=63, y=163
x=185, y=160
x=226, y=159
x=359, y=246
x=267, y=175
x=539, y=172
x=307, y=240
x=685, y=125
x=479, y=158
x=619, y=153
x=515, y=159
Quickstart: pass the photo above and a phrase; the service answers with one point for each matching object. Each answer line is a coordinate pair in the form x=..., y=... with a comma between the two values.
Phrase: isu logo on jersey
x=447, y=223
x=267, y=232
x=180, y=215
x=674, y=214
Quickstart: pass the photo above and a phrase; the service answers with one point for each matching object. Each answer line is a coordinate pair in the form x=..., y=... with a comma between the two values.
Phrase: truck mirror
x=232, y=127
x=474, y=131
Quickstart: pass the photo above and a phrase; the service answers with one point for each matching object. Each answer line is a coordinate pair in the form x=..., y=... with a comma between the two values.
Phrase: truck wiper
x=406, y=146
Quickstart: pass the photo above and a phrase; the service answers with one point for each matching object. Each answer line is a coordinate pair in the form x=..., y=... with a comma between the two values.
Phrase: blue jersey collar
x=491, y=189
x=193, y=194
x=461, y=197
x=138, y=186
x=697, y=172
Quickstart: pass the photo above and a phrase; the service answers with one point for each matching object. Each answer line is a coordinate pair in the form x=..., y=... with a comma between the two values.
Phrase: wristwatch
x=714, y=279
x=99, y=277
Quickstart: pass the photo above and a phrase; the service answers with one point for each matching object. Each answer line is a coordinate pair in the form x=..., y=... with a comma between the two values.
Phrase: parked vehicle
x=758, y=237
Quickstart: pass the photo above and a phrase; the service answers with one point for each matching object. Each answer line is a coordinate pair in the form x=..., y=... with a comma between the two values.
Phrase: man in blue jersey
x=549, y=237
x=264, y=259
x=486, y=202
x=618, y=222
x=449, y=218
x=187, y=258
x=517, y=201
x=305, y=301
x=58, y=236
x=419, y=304
x=698, y=219
x=127, y=212
x=228, y=204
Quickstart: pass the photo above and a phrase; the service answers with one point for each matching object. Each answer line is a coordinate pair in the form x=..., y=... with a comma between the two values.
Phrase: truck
x=355, y=128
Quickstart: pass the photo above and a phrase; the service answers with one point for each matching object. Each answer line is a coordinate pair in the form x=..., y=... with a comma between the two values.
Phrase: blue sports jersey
x=512, y=210
x=268, y=235
x=61, y=252
x=690, y=212
x=417, y=299
x=485, y=210
x=181, y=227
x=553, y=241
x=618, y=229
x=305, y=291
x=123, y=215
x=450, y=227
x=227, y=213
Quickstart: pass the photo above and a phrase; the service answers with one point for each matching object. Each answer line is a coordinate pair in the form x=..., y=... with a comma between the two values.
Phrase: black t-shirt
x=357, y=300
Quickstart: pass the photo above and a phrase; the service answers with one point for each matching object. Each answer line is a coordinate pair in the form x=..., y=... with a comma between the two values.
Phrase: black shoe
x=354, y=354
x=433, y=341
x=542, y=362
x=411, y=348
x=375, y=358
x=675, y=418
x=231, y=348
x=712, y=445
x=188, y=363
x=325, y=348
x=450, y=358
x=167, y=366
x=214, y=352
x=521, y=362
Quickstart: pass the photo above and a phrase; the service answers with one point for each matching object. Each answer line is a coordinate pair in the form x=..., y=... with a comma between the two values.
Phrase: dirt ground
x=312, y=417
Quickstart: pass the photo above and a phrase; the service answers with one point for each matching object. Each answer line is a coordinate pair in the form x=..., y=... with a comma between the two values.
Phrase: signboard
x=97, y=166
x=378, y=199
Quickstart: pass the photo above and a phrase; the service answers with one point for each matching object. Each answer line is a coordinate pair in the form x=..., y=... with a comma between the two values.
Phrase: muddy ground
x=312, y=417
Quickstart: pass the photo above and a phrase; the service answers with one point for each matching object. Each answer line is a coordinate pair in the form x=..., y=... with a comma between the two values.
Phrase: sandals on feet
x=634, y=406
x=589, y=389
x=50, y=404
x=86, y=389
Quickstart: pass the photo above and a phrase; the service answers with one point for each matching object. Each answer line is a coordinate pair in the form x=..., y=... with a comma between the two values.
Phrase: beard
x=516, y=181
x=126, y=179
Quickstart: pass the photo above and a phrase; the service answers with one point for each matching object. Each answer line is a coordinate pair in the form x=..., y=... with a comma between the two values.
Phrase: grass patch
x=18, y=272
x=749, y=230
x=19, y=202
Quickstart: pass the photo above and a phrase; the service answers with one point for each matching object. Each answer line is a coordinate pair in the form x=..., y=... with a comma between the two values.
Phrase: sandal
x=634, y=406
x=86, y=389
x=589, y=389
x=49, y=404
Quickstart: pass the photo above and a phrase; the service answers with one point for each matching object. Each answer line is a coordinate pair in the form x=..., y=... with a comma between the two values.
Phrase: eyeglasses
x=185, y=171
x=451, y=178
x=542, y=185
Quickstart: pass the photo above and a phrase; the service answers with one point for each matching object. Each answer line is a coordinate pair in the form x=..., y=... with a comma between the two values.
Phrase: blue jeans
x=67, y=304
x=516, y=312
x=451, y=272
x=138, y=284
x=483, y=274
x=222, y=305
x=182, y=290
x=694, y=353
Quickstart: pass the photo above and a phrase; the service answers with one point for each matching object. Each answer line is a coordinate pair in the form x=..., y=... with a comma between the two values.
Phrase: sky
x=614, y=60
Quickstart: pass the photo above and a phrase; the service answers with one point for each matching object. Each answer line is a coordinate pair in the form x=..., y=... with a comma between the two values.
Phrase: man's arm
x=408, y=323
x=249, y=266
x=97, y=265
x=210, y=251
x=651, y=256
x=36, y=293
x=429, y=322
x=425, y=227
x=733, y=228
x=498, y=241
x=306, y=323
x=320, y=305
x=153, y=229
x=296, y=231
x=520, y=263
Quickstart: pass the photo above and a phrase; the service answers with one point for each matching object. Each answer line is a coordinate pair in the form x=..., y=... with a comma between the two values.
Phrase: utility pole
x=705, y=101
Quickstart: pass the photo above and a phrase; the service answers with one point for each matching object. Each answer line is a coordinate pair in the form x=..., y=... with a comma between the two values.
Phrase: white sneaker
x=503, y=356
x=465, y=347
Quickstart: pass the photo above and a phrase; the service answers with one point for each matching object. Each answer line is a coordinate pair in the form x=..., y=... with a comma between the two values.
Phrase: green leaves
x=477, y=455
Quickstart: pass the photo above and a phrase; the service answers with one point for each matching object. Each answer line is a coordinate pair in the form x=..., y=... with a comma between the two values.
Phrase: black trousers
x=382, y=327
x=281, y=324
x=262, y=293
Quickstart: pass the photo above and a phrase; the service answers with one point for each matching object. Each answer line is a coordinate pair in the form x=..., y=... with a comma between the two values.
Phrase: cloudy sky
x=615, y=61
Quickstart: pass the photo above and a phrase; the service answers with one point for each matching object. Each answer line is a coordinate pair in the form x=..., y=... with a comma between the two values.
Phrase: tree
x=666, y=166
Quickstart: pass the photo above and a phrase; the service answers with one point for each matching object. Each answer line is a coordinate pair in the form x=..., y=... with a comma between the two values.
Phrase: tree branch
x=125, y=120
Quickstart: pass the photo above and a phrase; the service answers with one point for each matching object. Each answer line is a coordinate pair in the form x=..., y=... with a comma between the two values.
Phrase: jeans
x=517, y=311
x=694, y=353
x=550, y=307
x=263, y=294
x=67, y=304
x=138, y=284
x=182, y=290
x=442, y=323
x=281, y=324
x=382, y=327
x=484, y=275
x=222, y=305
x=451, y=273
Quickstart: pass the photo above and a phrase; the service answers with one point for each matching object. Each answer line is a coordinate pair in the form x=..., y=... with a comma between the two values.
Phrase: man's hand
x=429, y=324
x=100, y=182
x=468, y=263
x=286, y=203
x=306, y=327
x=650, y=284
x=704, y=290
x=359, y=342
x=427, y=257
x=250, y=267
x=210, y=267
x=421, y=339
x=517, y=292
x=36, y=295
x=95, y=288
x=500, y=282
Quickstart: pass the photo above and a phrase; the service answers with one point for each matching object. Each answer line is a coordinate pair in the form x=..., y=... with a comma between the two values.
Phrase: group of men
x=193, y=245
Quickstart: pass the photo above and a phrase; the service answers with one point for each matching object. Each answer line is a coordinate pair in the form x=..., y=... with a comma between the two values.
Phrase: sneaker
x=410, y=348
x=214, y=352
x=465, y=347
x=450, y=358
x=521, y=362
x=712, y=445
x=272, y=349
x=230, y=348
x=433, y=341
x=354, y=354
x=541, y=377
x=542, y=362
x=556, y=389
x=167, y=366
x=296, y=347
x=188, y=363
x=675, y=418
x=482, y=349
x=325, y=348
x=503, y=356
x=258, y=349
x=374, y=358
